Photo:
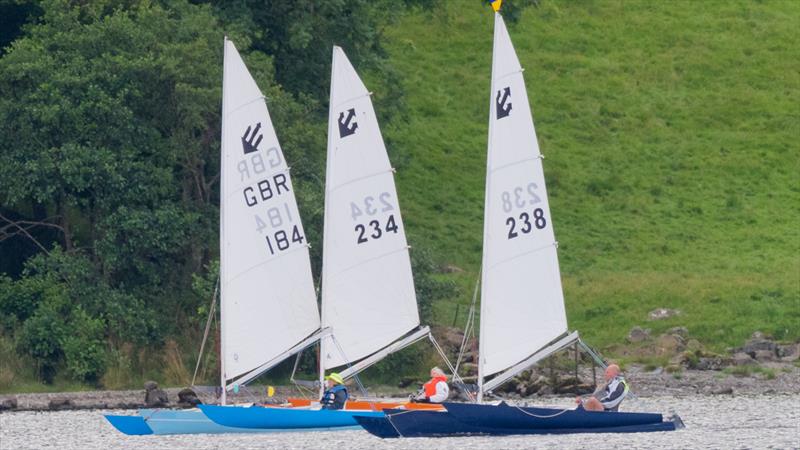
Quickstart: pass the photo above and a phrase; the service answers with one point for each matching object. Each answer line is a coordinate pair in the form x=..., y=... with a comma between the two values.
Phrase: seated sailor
x=609, y=396
x=435, y=390
x=336, y=394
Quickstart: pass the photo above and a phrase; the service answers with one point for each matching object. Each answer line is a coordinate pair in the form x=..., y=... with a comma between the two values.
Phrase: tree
x=109, y=161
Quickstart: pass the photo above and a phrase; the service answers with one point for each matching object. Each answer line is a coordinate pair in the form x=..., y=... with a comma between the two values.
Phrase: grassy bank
x=670, y=135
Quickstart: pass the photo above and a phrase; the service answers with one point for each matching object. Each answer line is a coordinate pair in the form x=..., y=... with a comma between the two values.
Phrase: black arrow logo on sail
x=345, y=127
x=503, y=105
x=247, y=141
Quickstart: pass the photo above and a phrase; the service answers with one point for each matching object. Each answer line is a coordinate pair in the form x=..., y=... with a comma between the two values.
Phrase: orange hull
x=367, y=405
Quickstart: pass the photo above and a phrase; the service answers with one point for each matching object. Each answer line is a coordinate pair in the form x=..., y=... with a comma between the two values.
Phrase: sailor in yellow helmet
x=336, y=394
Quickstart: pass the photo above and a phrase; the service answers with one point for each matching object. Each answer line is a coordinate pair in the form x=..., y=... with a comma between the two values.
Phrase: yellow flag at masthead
x=496, y=4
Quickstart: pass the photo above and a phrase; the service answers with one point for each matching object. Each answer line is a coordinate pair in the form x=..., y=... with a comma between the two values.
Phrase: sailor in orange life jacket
x=435, y=390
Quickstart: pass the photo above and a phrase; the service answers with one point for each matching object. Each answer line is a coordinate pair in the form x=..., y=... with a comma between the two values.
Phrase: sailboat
x=368, y=299
x=520, y=273
x=268, y=307
x=368, y=296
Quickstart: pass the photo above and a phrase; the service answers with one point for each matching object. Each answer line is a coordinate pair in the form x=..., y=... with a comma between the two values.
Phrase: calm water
x=712, y=422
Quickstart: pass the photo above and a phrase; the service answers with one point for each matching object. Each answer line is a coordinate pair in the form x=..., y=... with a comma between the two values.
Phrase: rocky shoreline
x=760, y=367
x=785, y=379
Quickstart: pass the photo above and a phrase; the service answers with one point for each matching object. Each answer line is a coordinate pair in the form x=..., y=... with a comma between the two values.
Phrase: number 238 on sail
x=523, y=222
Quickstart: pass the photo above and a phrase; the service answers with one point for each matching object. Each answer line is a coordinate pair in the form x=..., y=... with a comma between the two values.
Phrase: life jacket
x=430, y=386
x=329, y=396
x=611, y=400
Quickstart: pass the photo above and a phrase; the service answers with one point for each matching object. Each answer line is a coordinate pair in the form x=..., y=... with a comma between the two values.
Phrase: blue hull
x=170, y=421
x=477, y=420
x=259, y=417
x=418, y=423
x=130, y=425
x=507, y=416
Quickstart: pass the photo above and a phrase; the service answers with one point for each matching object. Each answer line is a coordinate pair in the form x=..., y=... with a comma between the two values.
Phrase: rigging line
x=389, y=418
x=534, y=250
x=514, y=163
x=355, y=375
x=469, y=326
x=282, y=254
x=361, y=178
x=509, y=74
x=456, y=378
x=302, y=389
x=296, y=363
x=351, y=99
x=208, y=328
x=245, y=104
x=462, y=349
x=371, y=260
x=249, y=393
x=543, y=417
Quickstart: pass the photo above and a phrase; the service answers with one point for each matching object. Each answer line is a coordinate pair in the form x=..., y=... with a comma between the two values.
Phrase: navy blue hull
x=404, y=423
x=506, y=416
x=418, y=423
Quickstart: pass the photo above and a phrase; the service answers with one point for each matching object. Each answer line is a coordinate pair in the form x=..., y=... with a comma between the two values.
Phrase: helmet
x=335, y=377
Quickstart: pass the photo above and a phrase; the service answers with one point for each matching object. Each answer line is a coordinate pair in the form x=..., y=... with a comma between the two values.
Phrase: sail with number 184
x=268, y=308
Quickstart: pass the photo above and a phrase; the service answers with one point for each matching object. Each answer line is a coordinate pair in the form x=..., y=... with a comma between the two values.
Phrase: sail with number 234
x=368, y=297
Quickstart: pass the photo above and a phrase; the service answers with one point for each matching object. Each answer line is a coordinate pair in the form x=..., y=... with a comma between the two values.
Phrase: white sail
x=268, y=303
x=522, y=303
x=368, y=297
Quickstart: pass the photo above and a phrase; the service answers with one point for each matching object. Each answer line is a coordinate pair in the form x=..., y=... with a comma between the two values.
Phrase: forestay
x=368, y=297
x=268, y=302
x=522, y=304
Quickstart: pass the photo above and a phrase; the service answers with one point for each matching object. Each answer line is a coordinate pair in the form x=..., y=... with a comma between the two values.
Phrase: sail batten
x=522, y=304
x=268, y=304
x=368, y=296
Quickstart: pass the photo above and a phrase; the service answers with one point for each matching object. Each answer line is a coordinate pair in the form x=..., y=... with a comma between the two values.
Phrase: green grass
x=670, y=134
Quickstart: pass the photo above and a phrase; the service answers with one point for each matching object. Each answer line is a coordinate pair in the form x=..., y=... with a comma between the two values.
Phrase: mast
x=222, y=255
x=486, y=218
x=323, y=343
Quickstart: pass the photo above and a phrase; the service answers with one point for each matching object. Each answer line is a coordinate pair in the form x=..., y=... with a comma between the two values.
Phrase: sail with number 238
x=522, y=303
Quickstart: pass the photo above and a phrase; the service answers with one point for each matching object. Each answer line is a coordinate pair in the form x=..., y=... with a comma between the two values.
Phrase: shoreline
x=785, y=379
